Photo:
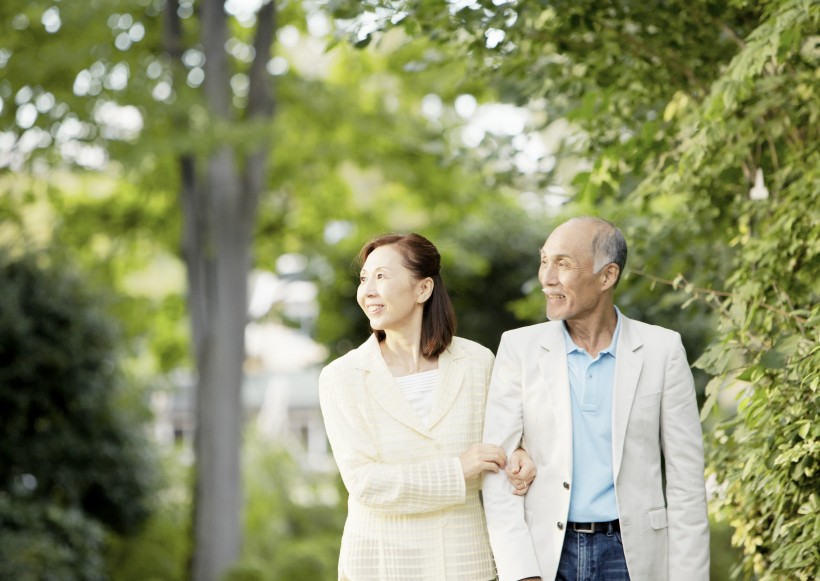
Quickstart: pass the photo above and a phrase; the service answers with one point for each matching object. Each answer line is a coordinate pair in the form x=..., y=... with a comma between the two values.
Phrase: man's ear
x=424, y=289
x=610, y=272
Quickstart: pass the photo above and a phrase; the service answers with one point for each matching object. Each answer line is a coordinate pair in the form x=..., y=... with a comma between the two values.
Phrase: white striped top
x=420, y=391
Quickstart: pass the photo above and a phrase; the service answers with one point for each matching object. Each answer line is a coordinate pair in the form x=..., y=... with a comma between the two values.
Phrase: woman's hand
x=520, y=471
x=481, y=457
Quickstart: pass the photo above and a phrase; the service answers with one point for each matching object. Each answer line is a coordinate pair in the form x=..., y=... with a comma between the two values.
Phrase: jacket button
x=566, y=485
x=560, y=526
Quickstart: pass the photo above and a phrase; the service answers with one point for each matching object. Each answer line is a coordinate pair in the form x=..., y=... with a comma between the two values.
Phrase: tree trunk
x=219, y=207
x=219, y=413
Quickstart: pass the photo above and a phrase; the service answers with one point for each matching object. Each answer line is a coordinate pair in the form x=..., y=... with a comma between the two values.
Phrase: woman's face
x=388, y=293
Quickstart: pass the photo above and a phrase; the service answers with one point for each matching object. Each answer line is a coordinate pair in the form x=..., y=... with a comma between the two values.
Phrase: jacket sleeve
x=386, y=487
x=682, y=443
x=504, y=426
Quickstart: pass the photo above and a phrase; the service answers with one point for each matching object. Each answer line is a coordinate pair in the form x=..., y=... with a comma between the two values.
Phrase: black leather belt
x=595, y=527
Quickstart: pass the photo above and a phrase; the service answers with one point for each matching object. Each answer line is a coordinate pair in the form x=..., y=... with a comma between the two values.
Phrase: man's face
x=573, y=291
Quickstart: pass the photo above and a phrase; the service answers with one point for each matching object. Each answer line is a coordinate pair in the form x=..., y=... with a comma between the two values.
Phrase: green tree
x=72, y=457
x=164, y=67
x=762, y=115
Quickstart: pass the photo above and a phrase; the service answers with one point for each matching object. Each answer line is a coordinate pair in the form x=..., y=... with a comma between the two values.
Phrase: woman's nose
x=368, y=288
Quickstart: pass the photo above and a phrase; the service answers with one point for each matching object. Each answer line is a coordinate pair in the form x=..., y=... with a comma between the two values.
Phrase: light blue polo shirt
x=591, y=381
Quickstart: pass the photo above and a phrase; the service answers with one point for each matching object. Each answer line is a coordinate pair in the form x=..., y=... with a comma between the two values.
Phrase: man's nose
x=546, y=275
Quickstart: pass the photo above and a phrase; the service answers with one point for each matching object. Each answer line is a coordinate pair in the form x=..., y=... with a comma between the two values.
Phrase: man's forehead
x=576, y=233
x=578, y=247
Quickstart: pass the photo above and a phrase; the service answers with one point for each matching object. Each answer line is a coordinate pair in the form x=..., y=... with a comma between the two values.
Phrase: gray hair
x=608, y=245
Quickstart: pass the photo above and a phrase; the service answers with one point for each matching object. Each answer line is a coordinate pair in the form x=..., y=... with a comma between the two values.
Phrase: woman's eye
x=362, y=279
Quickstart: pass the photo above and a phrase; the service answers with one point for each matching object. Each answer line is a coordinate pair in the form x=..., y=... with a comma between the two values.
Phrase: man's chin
x=554, y=316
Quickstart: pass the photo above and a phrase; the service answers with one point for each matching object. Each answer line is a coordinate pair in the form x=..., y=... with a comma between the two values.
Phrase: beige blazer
x=410, y=514
x=654, y=415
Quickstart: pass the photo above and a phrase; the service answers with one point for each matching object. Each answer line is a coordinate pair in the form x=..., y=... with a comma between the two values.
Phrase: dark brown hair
x=421, y=258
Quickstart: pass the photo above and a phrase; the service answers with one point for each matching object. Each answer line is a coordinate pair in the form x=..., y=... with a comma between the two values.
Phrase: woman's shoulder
x=470, y=348
x=348, y=363
x=339, y=364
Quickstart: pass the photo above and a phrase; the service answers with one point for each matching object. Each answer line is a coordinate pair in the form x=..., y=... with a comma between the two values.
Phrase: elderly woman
x=404, y=415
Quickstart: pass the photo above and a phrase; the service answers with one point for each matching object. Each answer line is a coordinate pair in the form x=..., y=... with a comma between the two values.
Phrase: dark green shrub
x=71, y=455
x=44, y=542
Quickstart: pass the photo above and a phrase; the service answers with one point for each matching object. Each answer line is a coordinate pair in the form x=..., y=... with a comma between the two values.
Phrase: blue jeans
x=592, y=557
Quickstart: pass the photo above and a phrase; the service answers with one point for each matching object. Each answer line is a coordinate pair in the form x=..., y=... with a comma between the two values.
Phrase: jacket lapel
x=553, y=370
x=628, y=364
x=451, y=379
x=383, y=389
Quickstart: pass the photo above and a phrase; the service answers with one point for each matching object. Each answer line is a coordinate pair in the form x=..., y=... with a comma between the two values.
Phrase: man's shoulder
x=648, y=330
x=530, y=332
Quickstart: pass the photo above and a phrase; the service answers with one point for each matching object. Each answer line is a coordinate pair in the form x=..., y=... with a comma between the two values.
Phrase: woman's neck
x=402, y=353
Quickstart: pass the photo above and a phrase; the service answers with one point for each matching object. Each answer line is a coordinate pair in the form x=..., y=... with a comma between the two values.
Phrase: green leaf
x=779, y=354
x=804, y=429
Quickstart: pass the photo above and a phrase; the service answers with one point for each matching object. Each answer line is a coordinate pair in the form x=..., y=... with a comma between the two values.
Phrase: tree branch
x=731, y=34
x=261, y=102
x=695, y=291
x=261, y=107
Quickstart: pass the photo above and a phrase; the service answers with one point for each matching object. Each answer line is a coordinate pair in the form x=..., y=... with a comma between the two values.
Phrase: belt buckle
x=578, y=529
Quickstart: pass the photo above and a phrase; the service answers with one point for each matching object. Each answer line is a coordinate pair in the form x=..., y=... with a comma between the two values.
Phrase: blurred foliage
x=73, y=457
x=65, y=437
x=43, y=541
x=723, y=556
x=161, y=549
x=293, y=517
x=293, y=521
x=762, y=113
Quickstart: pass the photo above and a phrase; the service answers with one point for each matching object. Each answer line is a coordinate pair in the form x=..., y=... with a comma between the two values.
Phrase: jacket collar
x=382, y=388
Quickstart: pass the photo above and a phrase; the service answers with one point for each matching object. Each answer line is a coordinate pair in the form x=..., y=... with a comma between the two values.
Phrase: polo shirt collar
x=613, y=345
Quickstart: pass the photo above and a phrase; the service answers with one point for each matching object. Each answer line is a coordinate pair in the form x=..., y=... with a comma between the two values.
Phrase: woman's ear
x=424, y=289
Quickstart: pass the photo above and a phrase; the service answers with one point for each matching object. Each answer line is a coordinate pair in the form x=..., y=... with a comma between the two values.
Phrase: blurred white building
x=280, y=392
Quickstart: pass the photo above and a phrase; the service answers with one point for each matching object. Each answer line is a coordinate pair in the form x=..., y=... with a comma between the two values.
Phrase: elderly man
x=606, y=407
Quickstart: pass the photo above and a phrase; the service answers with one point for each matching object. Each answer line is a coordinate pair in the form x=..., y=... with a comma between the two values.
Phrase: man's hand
x=481, y=457
x=520, y=471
